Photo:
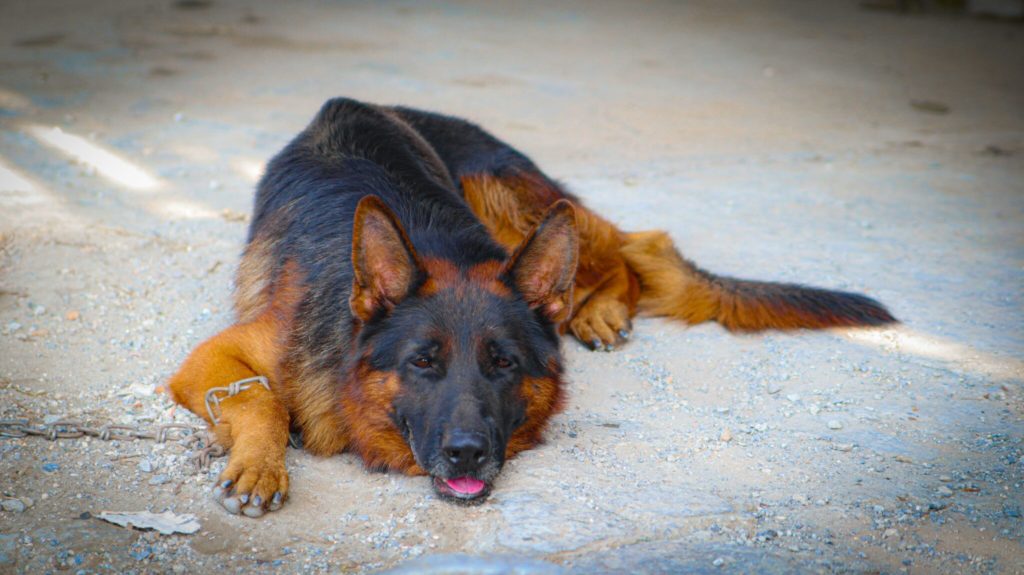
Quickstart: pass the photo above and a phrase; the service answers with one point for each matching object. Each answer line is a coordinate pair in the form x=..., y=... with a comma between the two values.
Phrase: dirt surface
x=794, y=141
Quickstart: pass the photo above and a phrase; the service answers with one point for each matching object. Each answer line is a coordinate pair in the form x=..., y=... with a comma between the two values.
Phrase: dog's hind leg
x=606, y=291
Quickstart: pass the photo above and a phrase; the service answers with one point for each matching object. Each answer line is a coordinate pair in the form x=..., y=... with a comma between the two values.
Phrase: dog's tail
x=672, y=286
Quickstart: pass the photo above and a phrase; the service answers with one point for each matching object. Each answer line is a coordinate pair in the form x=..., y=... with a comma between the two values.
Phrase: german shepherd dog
x=405, y=284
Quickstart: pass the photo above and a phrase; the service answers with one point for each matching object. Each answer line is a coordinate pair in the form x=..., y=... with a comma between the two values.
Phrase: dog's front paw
x=253, y=483
x=602, y=323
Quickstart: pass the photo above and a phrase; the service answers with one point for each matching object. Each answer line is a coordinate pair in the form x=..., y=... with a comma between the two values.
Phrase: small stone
x=146, y=466
x=834, y=424
x=159, y=479
x=774, y=388
x=722, y=410
x=814, y=409
x=1011, y=511
x=842, y=446
x=12, y=505
x=726, y=435
x=13, y=326
x=793, y=397
x=718, y=562
x=72, y=315
x=944, y=491
x=39, y=310
x=800, y=498
x=945, y=478
x=50, y=467
x=890, y=532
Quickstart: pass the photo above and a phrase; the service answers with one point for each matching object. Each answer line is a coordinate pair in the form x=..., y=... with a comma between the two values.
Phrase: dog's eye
x=502, y=362
x=422, y=362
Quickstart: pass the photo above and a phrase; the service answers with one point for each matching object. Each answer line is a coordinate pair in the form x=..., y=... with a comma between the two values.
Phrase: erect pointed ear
x=543, y=267
x=383, y=261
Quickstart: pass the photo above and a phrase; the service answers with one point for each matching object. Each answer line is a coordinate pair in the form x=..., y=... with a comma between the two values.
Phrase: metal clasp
x=212, y=399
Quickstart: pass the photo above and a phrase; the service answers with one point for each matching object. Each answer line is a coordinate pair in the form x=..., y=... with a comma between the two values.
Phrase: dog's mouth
x=462, y=489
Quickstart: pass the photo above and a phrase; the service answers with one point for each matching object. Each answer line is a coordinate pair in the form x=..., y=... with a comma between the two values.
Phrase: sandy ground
x=808, y=141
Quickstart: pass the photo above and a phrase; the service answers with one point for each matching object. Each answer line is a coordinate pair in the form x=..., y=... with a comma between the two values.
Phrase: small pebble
x=12, y=505
x=50, y=467
x=890, y=532
x=945, y=478
x=793, y=397
x=726, y=435
x=718, y=562
x=944, y=491
x=834, y=424
x=159, y=479
x=72, y=315
x=146, y=466
x=774, y=388
x=842, y=446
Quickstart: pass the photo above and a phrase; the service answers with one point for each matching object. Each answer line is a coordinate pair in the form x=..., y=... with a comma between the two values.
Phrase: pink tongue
x=466, y=485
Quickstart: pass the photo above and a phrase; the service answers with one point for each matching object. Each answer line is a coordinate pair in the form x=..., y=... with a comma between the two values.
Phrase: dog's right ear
x=544, y=265
x=384, y=262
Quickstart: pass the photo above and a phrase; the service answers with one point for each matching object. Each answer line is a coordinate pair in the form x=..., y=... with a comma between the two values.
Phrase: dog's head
x=464, y=358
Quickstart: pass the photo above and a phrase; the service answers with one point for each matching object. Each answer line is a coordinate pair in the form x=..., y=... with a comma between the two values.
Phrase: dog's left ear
x=543, y=267
x=383, y=260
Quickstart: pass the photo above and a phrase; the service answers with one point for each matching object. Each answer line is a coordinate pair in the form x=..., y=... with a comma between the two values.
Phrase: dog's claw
x=275, y=502
x=595, y=344
x=623, y=334
x=255, y=509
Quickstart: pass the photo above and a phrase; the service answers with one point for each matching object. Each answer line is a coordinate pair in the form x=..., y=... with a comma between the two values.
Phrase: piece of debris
x=167, y=523
x=233, y=216
x=726, y=435
x=834, y=424
x=72, y=315
x=13, y=505
x=929, y=106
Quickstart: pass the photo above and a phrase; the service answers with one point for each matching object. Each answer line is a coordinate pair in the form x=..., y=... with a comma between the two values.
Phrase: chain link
x=213, y=394
x=188, y=434
x=191, y=436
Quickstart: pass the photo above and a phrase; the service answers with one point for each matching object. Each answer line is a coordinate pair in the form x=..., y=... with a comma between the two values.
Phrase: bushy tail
x=674, y=287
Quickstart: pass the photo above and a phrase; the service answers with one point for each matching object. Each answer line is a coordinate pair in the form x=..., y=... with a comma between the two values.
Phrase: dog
x=402, y=296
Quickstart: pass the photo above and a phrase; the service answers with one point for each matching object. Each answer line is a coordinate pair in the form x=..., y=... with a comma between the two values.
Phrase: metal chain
x=187, y=434
x=190, y=434
x=213, y=398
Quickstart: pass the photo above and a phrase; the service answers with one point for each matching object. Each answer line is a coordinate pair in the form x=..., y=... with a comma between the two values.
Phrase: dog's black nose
x=466, y=450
